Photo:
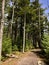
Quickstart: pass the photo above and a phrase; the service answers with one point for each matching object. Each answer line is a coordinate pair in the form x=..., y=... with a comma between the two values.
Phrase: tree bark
x=1, y=27
x=24, y=32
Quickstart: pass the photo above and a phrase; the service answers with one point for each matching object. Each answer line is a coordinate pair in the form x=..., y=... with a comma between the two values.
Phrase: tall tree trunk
x=24, y=32
x=12, y=26
x=39, y=40
x=2, y=26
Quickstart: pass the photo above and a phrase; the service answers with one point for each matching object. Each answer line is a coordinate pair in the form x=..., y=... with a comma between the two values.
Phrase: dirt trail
x=31, y=59
x=28, y=58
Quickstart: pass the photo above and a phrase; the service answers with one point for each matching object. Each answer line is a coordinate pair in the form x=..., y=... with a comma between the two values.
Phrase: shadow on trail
x=41, y=54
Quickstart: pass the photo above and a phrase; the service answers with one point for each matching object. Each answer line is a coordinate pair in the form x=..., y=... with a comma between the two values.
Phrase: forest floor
x=28, y=58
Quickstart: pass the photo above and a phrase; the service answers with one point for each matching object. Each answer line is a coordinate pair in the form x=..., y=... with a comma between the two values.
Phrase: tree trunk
x=2, y=26
x=39, y=40
x=24, y=32
x=12, y=28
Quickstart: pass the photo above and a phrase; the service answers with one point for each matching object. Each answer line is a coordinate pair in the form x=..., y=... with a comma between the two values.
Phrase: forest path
x=28, y=58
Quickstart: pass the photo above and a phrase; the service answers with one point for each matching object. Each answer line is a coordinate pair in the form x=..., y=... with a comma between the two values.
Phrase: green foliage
x=45, y=44
x=29, y=45
x=6, y=47
x=15, y=48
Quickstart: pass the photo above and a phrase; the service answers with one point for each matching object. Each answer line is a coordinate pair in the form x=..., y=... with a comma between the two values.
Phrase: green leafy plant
x=6, y=47
x=45, y=45
x=29, y=45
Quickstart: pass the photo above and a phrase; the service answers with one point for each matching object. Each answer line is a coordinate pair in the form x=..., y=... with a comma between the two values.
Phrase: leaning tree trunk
x=1, y=27
x=24, y=32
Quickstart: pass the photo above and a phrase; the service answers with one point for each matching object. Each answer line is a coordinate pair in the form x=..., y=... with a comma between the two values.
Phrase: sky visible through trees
x=45, y=4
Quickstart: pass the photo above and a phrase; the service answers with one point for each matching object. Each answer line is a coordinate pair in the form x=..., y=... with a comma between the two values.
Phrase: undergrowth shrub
x=45, y=45
x=6, y=46
x=29, y=45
